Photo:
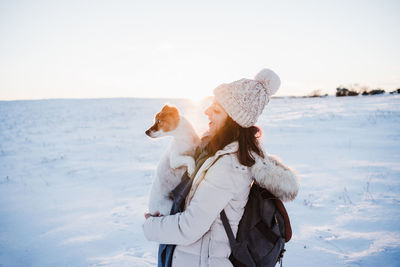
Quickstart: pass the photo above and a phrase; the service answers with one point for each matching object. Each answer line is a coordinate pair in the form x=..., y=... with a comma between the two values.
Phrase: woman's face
x=217, y=117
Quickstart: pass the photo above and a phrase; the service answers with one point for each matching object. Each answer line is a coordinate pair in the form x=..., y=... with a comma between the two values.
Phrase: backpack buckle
x=280, y=258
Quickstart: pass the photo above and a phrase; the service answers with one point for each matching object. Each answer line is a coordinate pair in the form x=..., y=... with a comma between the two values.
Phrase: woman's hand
x=157, y=214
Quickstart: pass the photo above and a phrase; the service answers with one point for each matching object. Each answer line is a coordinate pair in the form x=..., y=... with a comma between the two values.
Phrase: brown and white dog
x=177, y=159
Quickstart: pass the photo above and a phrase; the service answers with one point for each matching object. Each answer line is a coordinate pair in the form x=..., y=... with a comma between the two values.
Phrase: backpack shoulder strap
x=228, y=229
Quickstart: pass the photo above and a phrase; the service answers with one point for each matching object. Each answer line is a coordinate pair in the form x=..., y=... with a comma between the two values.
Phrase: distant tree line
x=353, y=91
x=341, y=91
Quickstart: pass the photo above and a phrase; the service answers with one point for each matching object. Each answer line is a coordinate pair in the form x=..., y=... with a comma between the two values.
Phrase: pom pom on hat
x=270, y=81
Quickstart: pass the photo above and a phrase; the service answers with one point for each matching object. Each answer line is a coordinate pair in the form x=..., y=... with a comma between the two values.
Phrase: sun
x=196, y=97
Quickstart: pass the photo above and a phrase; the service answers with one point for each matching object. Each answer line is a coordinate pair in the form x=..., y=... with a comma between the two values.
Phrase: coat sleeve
x=210, y=198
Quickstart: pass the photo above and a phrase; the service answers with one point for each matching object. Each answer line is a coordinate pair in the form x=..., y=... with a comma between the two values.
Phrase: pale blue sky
x=79, y=49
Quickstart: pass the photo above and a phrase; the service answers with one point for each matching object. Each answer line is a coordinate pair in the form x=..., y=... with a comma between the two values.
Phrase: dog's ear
x=172, y=109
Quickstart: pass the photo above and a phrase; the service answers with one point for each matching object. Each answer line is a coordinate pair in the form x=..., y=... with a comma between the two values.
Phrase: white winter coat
x=219, y=184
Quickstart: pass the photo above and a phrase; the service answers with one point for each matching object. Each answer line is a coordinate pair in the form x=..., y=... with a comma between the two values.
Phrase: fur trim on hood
x=270, y=173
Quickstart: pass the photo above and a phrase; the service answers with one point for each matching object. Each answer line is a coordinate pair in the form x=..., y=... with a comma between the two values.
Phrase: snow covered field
x=75, y=174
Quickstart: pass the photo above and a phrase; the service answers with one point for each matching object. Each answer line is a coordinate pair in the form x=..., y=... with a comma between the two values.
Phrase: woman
x=226, y=166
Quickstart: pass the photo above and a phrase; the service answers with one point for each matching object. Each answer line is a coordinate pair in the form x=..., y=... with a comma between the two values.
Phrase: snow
x=75, y=175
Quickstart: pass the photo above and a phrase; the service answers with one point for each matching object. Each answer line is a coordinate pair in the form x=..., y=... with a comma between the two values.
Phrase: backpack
x=263, y=231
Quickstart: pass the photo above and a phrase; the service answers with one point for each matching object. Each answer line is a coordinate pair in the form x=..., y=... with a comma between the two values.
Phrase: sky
x=184, y=49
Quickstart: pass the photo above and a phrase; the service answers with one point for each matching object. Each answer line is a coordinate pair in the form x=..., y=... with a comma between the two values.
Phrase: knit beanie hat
x=244, y=100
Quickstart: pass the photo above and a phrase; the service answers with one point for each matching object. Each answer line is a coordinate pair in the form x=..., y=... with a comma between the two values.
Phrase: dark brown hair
x=248, y=139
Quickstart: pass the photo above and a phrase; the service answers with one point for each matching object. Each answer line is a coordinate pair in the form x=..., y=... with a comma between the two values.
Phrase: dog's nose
x=148, y=132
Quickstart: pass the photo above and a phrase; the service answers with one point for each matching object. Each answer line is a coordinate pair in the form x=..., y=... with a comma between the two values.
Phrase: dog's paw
x=191, y=167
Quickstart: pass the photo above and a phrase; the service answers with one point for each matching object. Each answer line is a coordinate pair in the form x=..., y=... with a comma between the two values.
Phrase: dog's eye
x=158, y=121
